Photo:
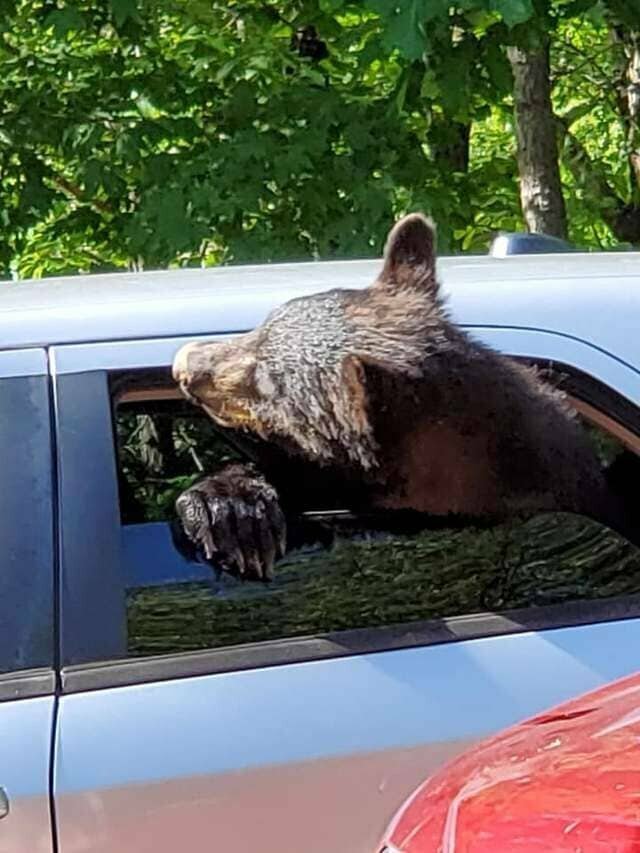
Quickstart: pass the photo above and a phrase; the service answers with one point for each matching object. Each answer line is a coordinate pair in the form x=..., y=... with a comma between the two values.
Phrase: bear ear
x=410, y=255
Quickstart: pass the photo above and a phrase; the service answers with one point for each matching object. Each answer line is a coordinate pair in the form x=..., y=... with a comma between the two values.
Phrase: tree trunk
x=629, y=105
x=540, y=189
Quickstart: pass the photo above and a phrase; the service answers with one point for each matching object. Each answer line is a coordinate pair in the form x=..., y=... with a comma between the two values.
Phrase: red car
x=566, y=781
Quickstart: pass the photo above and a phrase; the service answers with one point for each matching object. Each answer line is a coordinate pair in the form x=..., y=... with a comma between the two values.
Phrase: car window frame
x=82, y=373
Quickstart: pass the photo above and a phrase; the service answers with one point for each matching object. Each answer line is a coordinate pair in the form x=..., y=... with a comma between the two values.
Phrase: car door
x=27, y=676
x=205, y=715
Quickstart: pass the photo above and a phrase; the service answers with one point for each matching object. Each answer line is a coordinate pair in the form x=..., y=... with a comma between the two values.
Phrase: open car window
x=372, y=580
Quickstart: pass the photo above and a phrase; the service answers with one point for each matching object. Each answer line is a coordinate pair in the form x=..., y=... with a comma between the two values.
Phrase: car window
x=163, y=444
x=26, y=527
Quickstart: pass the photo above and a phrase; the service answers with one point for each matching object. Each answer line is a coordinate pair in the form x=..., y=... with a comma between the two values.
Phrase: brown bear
x=374, y=401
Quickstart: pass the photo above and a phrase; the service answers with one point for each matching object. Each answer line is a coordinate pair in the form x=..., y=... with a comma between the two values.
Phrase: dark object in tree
x=449, y=144
x=308, y=45
x=373, y=400
x=540, y=188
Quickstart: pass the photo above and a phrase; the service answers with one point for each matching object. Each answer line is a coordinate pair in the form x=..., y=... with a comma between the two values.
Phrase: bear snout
x=190, y=367
x=194, y=362
x=180, y=368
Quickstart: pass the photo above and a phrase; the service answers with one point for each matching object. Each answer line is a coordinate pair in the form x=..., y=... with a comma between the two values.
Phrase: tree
x=146, y=134
x=141, y=133
x=539, y=171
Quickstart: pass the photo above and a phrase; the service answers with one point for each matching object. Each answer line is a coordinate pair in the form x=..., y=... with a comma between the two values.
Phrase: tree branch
x=76, y=193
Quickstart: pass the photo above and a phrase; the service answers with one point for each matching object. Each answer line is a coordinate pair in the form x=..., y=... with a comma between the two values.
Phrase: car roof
x=594, y=297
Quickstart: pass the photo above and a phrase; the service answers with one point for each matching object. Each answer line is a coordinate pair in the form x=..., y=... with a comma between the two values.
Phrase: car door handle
x=4, y=803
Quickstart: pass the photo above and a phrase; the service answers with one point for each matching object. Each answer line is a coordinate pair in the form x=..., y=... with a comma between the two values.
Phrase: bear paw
x=234, y=521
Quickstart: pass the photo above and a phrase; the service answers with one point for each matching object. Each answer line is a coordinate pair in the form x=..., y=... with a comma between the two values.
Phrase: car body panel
x=176, y=750
x=25, y=748
x=270, y=808
x=565, y=780
x=546, y=346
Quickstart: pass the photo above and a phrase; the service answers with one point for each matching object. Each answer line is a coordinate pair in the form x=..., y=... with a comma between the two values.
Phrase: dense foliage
x=140, y=133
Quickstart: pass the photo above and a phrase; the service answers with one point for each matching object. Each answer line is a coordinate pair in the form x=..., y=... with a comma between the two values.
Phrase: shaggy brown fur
x=376, y=397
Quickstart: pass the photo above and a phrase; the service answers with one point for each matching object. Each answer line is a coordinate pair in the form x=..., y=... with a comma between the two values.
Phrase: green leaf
x=315, y=77
x=92, y=176
x=580, y=7
x=404, y=23
x=576, y=113
x=223, y=72
x=172, y=224
x=513, y=11
x=123, y=10
x=65, y=21
x=625, y=11
x=429, y=88
x=405, y=30
x=498, y=68
x=433, y=9
x=481, y=19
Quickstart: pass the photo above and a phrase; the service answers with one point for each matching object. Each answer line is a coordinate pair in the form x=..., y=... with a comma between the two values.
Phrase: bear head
x=301, y=379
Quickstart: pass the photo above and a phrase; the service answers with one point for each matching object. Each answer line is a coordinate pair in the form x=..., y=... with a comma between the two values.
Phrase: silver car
x=146, y=705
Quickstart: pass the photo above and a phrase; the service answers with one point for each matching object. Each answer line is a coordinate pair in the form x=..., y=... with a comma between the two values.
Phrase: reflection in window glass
x=368, y=581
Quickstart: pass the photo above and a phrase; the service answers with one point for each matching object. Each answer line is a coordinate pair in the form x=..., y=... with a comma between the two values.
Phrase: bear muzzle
x=187, y=370
x=219, y=381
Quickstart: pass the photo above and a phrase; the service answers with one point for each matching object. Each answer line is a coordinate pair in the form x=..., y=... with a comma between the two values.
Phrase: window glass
x=26, y=531
x=364, y=581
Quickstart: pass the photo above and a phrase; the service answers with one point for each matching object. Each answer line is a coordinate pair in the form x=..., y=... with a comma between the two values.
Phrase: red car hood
x=566, y=780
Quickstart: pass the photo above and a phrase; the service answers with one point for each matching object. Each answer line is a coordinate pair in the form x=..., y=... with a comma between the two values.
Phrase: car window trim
x=92, y=622
x=27, y=684
x=577, y=383
x=27, y=364
x=23, y=362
